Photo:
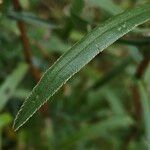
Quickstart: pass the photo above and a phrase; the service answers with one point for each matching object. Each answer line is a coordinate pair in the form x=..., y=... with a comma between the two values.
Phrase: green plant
x=105, y=105
x=78, y=56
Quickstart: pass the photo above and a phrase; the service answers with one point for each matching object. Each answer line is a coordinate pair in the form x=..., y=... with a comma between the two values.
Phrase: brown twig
x=136, y=103
x=25, y=42
x=27, y=53
x=142, y=67
x=136, y=114
x=136, y=95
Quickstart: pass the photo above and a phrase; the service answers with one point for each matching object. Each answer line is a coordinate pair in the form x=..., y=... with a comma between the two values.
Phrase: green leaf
x=78, y=56
x=107, y=5
x=21, y=93
x=9, y=86
x=31, y=19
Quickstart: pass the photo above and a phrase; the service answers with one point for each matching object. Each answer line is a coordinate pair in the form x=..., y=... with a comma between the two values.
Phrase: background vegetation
x=104, y=106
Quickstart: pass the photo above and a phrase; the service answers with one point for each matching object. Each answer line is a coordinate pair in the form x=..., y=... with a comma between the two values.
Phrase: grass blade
x=9, y=86
x=78, y=56
x=21, y=93
x=31, y=19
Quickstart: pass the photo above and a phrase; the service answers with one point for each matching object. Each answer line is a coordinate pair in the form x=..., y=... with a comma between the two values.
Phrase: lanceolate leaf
x=9, y=86
x=78, y=56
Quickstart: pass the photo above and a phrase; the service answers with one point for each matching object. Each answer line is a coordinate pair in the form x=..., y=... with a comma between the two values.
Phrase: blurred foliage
x=97, y=108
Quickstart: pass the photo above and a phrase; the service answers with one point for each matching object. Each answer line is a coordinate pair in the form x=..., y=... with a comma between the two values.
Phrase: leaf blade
x=84, y=51
x=31, y=19
x=9, y=86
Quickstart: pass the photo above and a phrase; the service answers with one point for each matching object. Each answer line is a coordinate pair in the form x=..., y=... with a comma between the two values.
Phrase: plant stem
x=27, y=54
x=136, y=101
x=142, y=67
x=26, y=46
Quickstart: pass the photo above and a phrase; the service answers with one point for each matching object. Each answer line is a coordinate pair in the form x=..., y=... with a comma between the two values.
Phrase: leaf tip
x=16, y=126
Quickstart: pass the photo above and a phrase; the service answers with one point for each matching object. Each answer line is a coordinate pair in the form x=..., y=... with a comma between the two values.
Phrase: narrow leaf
x=78, y=56
x=31, y=19
x=9, y=86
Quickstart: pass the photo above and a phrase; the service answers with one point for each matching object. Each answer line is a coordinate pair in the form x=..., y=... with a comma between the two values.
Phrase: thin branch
x=142, y=67
x=26, y=46
x=27, y=53
x=136, y=102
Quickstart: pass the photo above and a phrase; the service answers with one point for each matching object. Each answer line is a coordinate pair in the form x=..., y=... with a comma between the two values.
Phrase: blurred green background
x=105, y=106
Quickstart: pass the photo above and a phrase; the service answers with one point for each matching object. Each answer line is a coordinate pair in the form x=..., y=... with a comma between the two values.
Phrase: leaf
x=21, y=93
x=31, y=19
x=78, y=56
x=146, y=112
x=9, y=86
x=107, y=5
